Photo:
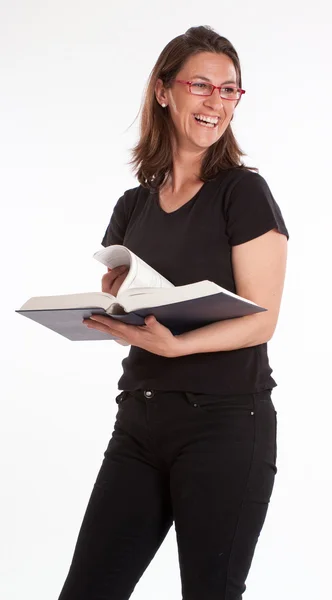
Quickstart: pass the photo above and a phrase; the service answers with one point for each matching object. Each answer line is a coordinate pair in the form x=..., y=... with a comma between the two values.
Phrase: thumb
x=150, y=320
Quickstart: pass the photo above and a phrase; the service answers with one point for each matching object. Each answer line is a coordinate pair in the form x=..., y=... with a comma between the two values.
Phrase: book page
x=158, y=297
x=143, y=276
x=140, y=274
x=70, y=301
x=114, y=256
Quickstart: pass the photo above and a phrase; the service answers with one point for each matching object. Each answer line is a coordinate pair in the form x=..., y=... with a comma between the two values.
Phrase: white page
x=114, y=256
x=140, y=275
x=157, y=297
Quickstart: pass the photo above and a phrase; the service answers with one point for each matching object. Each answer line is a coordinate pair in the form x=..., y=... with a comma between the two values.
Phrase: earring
x=164, y=105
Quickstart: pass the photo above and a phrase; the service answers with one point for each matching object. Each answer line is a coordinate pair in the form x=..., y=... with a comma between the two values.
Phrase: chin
x=208, y=145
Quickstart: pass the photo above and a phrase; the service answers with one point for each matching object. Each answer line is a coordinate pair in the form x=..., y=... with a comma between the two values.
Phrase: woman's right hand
x=113, y=279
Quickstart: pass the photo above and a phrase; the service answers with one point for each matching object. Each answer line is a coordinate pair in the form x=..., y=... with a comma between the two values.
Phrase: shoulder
x=121, y=215
x=245, y=186
x=131, y=197
x=237, y=181
x=236, y=177
x=249, y=207
x=250, y=179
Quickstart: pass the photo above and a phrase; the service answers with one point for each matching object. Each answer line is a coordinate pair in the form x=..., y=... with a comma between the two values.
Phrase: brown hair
x=152, y=155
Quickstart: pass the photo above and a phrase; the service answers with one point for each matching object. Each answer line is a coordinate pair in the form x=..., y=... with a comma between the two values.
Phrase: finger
x=111, y=281
x=150, y=320
x=93, y=324
x=117, y=270
x=107, y=321
x=113, y=274
x=122, y=330
x=117, y=283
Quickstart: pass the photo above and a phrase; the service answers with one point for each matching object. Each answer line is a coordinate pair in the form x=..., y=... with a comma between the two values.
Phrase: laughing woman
x=194, y=439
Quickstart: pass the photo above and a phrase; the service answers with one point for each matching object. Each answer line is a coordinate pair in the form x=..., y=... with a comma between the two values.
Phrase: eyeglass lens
x=205, y=89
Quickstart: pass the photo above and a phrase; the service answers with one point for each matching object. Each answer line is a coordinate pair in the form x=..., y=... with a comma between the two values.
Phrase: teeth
x=213, y=120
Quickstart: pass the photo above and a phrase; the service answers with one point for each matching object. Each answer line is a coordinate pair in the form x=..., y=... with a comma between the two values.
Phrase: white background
x=64, y=148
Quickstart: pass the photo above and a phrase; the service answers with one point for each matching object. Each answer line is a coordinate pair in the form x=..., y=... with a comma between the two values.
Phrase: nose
x=215, y=101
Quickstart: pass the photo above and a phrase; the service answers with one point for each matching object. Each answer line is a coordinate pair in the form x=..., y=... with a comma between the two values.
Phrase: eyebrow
x=209, y=80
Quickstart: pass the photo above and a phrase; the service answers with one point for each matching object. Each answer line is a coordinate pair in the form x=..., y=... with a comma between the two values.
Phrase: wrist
x=179, y=347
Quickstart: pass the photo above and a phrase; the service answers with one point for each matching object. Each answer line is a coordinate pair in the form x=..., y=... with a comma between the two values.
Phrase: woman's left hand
x=152, y=336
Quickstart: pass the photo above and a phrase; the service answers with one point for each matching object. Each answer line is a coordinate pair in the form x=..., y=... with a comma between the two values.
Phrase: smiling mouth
x=206, y=124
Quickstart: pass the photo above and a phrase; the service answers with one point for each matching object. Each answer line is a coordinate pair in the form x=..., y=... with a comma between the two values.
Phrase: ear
x=160, y=92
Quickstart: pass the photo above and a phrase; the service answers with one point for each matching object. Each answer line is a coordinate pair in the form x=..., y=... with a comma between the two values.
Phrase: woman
x=194, y=440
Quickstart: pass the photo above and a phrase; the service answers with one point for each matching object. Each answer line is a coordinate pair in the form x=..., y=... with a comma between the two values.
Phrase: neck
x=186, y=169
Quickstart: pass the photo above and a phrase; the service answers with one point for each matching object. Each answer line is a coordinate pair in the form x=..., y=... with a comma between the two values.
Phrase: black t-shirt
x=191, y=244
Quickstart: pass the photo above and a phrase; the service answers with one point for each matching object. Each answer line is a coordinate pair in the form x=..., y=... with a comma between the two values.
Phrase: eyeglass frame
x=214, y=87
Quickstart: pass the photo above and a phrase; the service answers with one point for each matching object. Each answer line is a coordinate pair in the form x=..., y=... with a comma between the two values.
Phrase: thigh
x=127, y=517
x=221, y=485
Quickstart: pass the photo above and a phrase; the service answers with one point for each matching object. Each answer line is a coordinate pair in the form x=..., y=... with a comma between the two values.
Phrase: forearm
x=231, y=334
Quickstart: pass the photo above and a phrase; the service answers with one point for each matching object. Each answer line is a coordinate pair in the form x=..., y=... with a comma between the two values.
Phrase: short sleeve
x=251, y=210
x=116, y=228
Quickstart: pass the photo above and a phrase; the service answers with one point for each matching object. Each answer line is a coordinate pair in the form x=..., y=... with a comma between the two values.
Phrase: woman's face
x=182, y=105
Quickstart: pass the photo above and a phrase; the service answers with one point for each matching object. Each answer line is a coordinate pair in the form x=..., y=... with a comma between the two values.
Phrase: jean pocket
x=214, y=404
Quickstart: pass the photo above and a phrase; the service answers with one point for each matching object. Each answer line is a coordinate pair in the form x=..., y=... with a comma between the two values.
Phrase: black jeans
x=208, y=463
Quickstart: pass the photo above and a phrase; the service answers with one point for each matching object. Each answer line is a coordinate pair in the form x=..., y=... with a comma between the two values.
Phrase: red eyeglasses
x=200, y=88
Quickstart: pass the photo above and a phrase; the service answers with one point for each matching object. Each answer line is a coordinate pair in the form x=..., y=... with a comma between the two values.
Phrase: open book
x=143, y=292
